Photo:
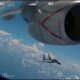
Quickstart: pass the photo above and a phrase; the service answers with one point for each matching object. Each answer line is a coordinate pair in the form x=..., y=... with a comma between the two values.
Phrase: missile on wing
x=54, y=24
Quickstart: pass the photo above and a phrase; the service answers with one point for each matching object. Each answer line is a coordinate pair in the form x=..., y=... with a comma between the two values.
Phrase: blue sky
x=25, y=52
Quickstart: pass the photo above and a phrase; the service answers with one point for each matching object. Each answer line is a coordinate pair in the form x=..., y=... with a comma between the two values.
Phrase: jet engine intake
x=72, y=23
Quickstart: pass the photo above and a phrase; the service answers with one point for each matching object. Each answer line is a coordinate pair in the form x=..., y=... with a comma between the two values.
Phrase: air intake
x=72, y=23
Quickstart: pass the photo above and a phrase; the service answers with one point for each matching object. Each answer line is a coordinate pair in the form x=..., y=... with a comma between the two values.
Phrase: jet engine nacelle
x=58, y=23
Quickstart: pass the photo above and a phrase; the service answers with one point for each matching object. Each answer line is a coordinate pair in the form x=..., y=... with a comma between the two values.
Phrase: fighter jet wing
x=56, y=61
x=15, y=10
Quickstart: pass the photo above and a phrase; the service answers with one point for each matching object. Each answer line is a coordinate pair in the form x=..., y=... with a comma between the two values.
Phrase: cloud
x=6, y=75
x=76, y=77
x=41, y=44
x=73, y=78
x=31, y=56
x=2, y=3
x=6, y=3
x=60, y=74
x=76, y=66
x=3, y=33
x=72, y=66
x=14, y=42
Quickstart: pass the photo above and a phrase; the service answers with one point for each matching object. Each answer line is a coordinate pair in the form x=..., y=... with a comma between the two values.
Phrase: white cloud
x=43, y=72
x=76, y=77
x=3, y=33
x=33, y=48
x=6, y=75
x=6, y=3
x=73, y=78
x=76, y=66
x=2, y=3
x=60, y=74
x=23, y=63
x=41, y=44
x=72, y=66
x=14, y=42
x=31, y=55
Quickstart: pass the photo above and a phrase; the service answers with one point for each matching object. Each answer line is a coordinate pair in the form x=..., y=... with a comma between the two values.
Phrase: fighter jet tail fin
x=43, y=57
x=49, y=56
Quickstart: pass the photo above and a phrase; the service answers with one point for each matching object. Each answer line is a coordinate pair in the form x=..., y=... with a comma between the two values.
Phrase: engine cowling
x=72, y=23
x=55, y=24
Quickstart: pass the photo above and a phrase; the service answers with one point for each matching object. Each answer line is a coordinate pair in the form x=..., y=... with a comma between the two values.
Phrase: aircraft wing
x=15, y=11
x=10, y=12
x=19, y=10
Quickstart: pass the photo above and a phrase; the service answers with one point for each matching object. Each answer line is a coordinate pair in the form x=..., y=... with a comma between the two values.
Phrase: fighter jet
x=50, y=60
x=50, y=21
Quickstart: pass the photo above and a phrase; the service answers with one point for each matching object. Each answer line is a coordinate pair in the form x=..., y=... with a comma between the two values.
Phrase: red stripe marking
x=48, y=17
x=50, y=31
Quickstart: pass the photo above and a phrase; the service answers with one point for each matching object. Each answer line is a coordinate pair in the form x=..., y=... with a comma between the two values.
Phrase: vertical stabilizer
x=49, y=57
x=43, y=57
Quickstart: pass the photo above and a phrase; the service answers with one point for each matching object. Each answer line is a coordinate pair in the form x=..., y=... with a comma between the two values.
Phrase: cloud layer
x=29, y=57
x=3, y=33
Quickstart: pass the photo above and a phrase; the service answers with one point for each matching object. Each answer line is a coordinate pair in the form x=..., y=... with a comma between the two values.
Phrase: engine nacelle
x=54, y=24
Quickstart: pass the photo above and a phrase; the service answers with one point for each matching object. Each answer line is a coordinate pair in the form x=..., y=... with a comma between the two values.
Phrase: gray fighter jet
x=50, y=60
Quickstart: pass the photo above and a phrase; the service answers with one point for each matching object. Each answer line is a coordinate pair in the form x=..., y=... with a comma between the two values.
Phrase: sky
x=21, y=54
